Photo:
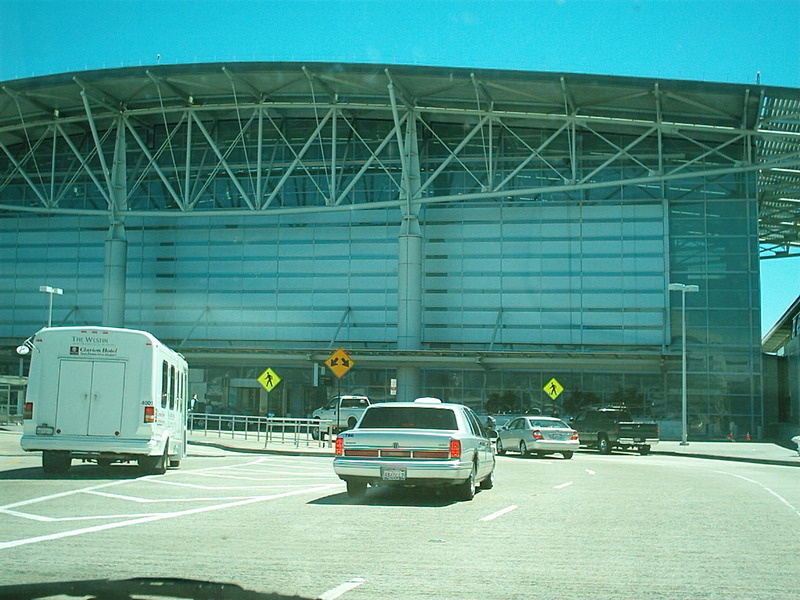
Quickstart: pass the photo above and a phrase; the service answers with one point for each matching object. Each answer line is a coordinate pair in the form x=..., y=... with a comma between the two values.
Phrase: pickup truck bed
x=609, y=428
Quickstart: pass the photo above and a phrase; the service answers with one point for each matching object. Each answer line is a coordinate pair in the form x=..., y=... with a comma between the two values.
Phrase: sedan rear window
x=537, y=423
x=409, y=417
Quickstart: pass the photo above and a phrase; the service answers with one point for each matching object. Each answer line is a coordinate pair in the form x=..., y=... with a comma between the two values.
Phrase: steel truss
x=183, y=142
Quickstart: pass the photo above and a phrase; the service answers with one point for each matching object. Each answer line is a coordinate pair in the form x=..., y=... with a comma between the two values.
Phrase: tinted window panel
x=409, y=417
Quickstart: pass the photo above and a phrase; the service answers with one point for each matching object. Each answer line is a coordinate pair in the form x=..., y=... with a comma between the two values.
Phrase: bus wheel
x=56, y=461
x=155, y=465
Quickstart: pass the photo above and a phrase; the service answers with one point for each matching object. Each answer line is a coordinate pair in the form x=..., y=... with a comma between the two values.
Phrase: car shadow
x=83, y=472
x=393, y=496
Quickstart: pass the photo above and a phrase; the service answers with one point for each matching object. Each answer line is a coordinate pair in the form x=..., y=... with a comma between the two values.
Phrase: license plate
x=43, y=430
x=393, y=474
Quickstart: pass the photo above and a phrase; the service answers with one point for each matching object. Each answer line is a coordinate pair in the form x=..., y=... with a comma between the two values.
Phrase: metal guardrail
x=9, y=418
x=297, y=432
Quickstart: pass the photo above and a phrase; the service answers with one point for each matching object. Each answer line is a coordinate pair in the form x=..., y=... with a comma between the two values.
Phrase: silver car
x=537, y=435
x=422, y=443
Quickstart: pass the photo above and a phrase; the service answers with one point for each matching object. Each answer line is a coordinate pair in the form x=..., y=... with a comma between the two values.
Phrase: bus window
x=164, y=383
x=172, y=383
x=178, y=390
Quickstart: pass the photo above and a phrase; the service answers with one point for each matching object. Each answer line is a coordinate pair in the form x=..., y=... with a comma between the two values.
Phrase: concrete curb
x=747, y=459
x=275, y=451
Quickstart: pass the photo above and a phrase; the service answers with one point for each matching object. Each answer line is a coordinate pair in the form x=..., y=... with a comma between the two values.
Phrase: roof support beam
x=298, y=160
x=25, y=175
x=85, y=162
x=372, y=158
x=537, y=153
x=153, y=164
x=620, y=153
x=221, y=158
x=100, y=154
x=452, y=154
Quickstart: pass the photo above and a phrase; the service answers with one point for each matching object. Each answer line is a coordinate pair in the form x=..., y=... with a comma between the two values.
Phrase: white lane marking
x=762, y=486
x=270, y=469
x=44, y=519
x=341, y=589
x=159, y=517
x=149, y=478
x=266, y=476
x=590, y=472
x=196, y=486
x=223, y=476
x=562, y=486
x=63, y=494
x=149, y=500
x=500, y=513
x=296, y=463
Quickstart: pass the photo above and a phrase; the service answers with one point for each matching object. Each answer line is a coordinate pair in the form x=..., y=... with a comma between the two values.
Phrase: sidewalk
x=254, y=444
x=755, y=452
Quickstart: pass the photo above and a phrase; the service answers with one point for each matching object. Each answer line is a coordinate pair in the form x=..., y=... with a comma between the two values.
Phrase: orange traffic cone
x=747, y=437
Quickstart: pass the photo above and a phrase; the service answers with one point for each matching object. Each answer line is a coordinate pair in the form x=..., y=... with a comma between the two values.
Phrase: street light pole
x=682, y=288
x=50, y=290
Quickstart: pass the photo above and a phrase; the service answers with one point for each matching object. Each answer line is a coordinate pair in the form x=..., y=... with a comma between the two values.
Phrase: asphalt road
x=620, y=526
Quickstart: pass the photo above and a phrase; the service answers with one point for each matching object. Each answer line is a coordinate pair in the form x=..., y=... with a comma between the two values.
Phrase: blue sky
x=722, y=41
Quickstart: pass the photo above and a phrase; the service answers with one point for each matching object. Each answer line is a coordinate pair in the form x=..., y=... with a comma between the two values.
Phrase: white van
x=105, y=395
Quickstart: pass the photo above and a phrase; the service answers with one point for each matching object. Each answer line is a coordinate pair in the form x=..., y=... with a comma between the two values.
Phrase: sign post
x=340, y=363
x=553, y=388
x=269, y=379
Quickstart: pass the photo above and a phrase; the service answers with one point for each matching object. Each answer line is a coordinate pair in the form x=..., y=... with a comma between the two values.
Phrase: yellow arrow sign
x=552, y=388
x=269, y=379
x=339, y=362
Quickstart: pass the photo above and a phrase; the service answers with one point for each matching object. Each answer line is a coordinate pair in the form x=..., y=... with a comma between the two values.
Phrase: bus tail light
x=455, y=448
x=339, y=449
x=28, y=411
x=149, y=414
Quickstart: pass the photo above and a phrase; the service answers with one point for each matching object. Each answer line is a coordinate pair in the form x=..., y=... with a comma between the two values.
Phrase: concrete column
x=115, y=273
x=116, y=257
x=410, y=279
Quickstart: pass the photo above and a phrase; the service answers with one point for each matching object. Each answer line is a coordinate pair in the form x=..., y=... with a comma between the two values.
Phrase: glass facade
x=520, y=278
x=547, y=247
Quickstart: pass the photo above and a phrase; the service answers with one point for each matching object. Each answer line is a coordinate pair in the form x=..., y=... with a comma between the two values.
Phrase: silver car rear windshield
x=409, y=417
x=536, y=423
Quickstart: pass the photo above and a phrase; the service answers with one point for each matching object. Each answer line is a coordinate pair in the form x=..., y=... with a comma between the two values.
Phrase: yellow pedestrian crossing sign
x=269, y=379
x=552, y=388
x=339, y=362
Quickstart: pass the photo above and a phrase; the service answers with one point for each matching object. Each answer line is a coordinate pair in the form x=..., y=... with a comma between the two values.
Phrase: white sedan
x=538, y=435
x=426, y=443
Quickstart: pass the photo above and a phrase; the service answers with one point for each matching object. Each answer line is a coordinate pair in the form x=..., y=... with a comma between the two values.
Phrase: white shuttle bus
x=105, y=395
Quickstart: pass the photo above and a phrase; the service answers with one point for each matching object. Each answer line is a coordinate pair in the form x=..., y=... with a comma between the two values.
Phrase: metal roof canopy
x=62, y=129
x=780, y=334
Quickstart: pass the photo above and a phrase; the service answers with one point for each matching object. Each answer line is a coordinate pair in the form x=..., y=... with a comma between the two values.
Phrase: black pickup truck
x=613, y=427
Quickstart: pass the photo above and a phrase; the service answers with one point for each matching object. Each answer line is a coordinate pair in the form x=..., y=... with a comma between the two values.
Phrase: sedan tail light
x=537, y=435
x=574, y=435
x=339, y=449
x=455, y=448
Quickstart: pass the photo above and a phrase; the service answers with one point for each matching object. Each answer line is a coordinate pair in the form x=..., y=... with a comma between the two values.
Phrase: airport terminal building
x=467, y=234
